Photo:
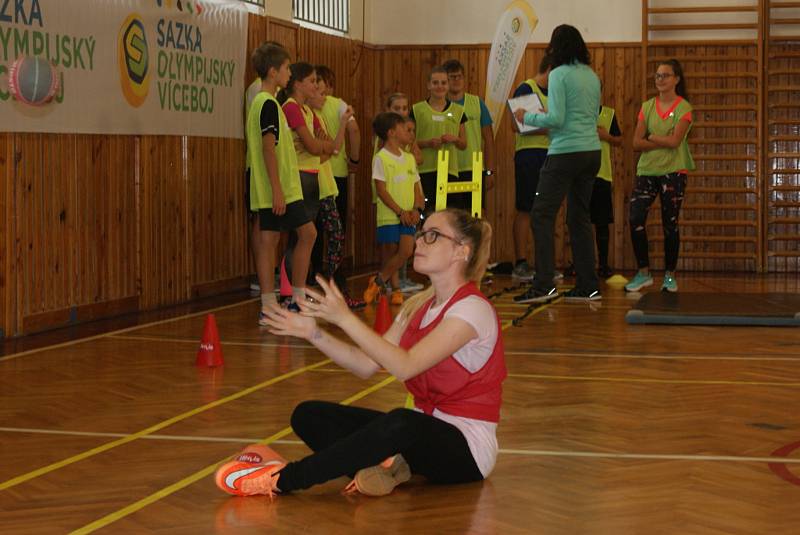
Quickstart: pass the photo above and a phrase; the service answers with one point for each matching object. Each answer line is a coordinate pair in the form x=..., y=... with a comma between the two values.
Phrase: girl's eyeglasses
x=430, y=236
x=662, y=75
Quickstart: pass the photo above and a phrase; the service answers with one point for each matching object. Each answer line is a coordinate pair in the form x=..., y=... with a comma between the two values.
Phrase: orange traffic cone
x=210, y=352
x=286, y=286
x=383, y=316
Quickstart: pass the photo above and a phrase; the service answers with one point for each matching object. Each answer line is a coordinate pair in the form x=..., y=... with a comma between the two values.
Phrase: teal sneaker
x=638, y=282
x=669, y=284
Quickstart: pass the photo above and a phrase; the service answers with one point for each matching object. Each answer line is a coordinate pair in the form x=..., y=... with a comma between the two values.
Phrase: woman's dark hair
x=545, y=64
x=300, y=71
x=677, y=69
x=384, y=122
x=567, y=47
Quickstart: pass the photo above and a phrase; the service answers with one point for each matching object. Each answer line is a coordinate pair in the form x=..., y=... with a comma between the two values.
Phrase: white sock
x=298, y=294
x=267, y=300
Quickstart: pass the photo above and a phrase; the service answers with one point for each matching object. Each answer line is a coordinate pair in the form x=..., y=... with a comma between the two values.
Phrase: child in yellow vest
x=661, y=137
x=275, y=189
x=601, y=207
x=347, y=159
x=400, y=201
x=440, y=125
x=480, y=135
x=328, y=251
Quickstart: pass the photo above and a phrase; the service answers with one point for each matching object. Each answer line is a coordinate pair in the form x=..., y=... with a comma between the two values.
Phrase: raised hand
x=282, y=322
x=331, y=306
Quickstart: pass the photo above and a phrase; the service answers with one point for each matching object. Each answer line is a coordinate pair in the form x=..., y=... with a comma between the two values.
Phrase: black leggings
x=671, y=189
x=346, y=439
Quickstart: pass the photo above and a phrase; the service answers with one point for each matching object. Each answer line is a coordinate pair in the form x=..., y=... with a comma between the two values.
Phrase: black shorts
x=601, y=207
x=294, y=217
x=247, y=210
x=527, y=164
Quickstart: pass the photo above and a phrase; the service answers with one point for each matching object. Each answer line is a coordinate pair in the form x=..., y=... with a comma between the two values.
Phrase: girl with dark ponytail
x=661, y=136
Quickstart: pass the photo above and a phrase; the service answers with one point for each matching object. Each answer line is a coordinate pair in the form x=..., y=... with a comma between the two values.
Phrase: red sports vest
x=449, y=386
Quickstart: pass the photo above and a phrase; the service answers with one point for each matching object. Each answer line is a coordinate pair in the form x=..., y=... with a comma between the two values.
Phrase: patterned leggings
x=671, y=189
x=329, y=222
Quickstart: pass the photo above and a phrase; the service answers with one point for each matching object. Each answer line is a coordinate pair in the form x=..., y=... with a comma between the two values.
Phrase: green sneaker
x=669, y=284
x=638, y=282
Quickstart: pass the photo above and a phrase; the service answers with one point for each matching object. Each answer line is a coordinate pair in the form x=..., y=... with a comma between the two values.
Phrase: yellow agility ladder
x=443, y=187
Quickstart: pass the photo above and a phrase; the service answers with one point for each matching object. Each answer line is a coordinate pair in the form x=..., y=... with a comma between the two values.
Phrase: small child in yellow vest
x=400, y=201
x=601, y=207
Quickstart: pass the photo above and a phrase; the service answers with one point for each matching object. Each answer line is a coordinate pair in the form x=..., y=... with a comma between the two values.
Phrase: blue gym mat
x=767, y=309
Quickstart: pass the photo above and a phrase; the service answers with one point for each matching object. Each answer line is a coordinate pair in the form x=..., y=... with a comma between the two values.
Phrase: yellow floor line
x=152, y=429
x=205, y=472
x=651, y=381
x=127, y=329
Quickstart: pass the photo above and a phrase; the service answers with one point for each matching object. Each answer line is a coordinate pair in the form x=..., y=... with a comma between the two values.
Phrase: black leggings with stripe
x=346, y=439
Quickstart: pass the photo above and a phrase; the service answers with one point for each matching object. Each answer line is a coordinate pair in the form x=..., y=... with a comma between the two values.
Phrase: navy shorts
x=392, y=233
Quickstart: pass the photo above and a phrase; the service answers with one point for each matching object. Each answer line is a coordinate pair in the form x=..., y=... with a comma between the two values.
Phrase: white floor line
x=659, y=357
x=531, y=453
x=146, y=437
x=128, y=329
x=652, y=456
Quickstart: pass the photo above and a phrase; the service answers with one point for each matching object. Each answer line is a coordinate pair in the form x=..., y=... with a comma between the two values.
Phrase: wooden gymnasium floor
x=607, y=428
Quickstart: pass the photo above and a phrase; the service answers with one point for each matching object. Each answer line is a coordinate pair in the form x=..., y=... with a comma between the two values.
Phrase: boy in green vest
x=601, y=206
x=440, y=125
x=480, y=136
x=275, y=189
x=400, y=201
x=529, y=156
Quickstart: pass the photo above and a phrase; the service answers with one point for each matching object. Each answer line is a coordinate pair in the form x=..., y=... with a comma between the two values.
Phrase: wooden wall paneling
x=782, y=124
x=8, y=282
x=256, y=34
x=284, y=33
x=104, y=245
x=219, y=226
x=46, y=172
x=163, y=231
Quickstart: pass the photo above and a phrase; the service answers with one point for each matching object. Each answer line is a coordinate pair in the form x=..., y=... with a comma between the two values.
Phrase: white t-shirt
x=481, y=435
x=379, y=174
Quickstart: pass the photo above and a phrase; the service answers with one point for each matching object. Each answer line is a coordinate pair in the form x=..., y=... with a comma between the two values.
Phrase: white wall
x=473, y=21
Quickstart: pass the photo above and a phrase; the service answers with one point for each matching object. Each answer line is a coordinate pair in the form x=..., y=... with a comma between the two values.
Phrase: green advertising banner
x=163, y=67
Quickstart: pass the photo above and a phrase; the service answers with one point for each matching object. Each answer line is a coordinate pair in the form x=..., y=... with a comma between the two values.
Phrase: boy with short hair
x=400, y=201
x=275, y=189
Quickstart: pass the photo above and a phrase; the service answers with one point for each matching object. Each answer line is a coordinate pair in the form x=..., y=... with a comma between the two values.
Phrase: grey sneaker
x=638, y=282
x=523, y=272
x=669, y=284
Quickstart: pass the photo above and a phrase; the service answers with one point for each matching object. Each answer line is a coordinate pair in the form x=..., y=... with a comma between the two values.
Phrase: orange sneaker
x=373, y=290
x=380, y=480
x=397, y=298
x=253, y=472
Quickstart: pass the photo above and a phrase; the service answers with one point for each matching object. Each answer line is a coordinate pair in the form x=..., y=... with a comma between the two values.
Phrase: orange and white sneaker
x=373, y=290
x=397, y=298
x=380, y=480
x=253, y=472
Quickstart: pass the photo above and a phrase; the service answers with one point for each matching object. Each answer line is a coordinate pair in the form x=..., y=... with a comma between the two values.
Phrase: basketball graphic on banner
x=33, y=81
x=133, y=58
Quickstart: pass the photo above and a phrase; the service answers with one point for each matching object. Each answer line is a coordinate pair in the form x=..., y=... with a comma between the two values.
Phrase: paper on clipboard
x=531, y=103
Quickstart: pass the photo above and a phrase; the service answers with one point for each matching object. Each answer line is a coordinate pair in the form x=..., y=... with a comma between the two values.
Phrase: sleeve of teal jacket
x=556, y=104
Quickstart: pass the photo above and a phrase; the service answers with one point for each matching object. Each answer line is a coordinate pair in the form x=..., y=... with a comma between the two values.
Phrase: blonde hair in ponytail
x=472, y=231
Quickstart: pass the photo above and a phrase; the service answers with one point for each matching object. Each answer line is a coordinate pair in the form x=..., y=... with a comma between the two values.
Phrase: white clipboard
x=531, y=103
